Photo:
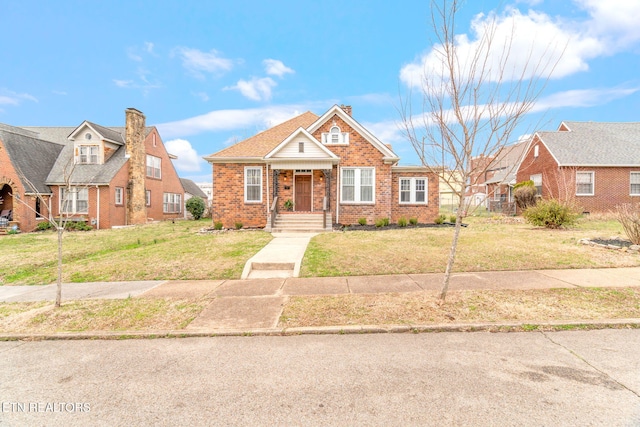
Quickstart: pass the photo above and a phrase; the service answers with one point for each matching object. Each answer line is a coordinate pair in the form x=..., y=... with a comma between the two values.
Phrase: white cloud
x=148, y=46
x=275, y=67
x=523, y=46
x=59, y=92
x=233, y=120
x=582, y=98
x=8, y=97
x=188, y=159
x=197, y=61
x=615, y=22
x=123, y=83
x=256, y=89
x=202, y=95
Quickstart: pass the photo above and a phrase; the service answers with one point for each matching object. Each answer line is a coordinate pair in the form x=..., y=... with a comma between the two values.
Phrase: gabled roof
x=21, y=146
x=106, y=133
x=327, y=154
x=261, y=144
x=506, y=163
x=594, y=144
x=64, y=169
x=192, y=188
x=61, y=134
x=389, y=155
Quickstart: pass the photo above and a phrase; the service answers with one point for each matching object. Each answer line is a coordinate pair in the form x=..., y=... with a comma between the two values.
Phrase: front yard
x=167, y=251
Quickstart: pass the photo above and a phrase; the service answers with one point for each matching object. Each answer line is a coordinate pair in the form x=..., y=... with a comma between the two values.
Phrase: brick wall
x=228, y=204
x=611, y=184
x=424, y=213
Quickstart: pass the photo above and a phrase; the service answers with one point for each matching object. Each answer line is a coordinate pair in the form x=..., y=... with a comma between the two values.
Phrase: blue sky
x=209, y=73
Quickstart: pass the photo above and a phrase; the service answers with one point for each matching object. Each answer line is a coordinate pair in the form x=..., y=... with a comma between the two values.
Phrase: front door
x=303, y=193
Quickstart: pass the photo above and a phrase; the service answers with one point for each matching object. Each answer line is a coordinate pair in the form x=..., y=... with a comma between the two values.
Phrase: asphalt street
x=571, y=378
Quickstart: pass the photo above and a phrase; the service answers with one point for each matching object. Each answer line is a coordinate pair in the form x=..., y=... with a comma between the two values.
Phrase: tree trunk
x=452, y=252
x=59, y=282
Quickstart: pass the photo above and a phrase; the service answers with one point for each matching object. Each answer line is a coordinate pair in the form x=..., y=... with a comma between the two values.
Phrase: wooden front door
x=303, y=193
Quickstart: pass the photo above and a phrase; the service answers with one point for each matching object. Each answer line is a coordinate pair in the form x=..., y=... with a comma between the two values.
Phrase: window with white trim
x=634, y=184
x=537, y=182
x=172, y=203
x=413, y=190
x=88, y=154
x=584, y=183
x=154, y=167
x=335, y=136
x=74, y=200
x=253, y=184
x=358, y=185
x=119, y=195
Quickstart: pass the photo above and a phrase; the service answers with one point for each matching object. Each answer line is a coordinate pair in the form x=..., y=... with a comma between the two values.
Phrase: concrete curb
x=333, y=330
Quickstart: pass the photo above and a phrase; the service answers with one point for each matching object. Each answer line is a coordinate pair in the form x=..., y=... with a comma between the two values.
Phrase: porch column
x=327, y=186
x=276, y=175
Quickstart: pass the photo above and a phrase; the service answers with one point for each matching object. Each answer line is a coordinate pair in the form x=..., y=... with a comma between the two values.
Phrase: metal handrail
x=274, y=211
x=324, y=213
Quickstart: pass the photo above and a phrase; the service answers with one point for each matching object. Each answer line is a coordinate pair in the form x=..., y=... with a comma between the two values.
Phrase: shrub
x=551, y=213
x=524, y=194
x=217, y=225
x=44, y=225
x=195, y=206
x=413, y=220
x=629, y=216
x=452, y=218
x=238, y=225
x=402, y=222
x=440, y=219
x=385, y=221
x=380, y=222
x=362, y=221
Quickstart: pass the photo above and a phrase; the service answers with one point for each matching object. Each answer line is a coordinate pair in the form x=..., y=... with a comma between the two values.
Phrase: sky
x=211, y=73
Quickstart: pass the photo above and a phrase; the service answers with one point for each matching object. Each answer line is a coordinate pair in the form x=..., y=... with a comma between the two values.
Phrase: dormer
x=335, y=136
x=94, y=144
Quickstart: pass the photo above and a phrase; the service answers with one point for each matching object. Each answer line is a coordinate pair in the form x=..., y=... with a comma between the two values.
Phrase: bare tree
x=60, y=222
x=473, y=99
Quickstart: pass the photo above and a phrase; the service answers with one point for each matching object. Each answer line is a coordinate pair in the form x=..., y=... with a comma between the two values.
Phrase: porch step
x=300, y=223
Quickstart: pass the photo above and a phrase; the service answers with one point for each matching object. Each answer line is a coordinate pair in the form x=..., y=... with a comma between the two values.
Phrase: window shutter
x=345, y=137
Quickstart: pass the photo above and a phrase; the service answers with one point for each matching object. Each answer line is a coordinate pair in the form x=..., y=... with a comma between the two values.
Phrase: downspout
x=337, y=195
x=98, y=207
x=268, y=194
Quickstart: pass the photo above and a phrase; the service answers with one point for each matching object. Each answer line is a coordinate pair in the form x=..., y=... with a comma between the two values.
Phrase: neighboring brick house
x=329, y=164
x=494, y=178
x=597, y=165
x=106, y=176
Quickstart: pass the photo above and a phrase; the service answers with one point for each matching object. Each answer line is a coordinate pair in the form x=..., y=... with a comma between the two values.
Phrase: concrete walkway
x=255, y=305
x=280, y=258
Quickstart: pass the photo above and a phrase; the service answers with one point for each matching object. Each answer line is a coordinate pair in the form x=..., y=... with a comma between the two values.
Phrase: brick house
x=330, y=166
x=492, y=183
x=104, y=176
x=597, y=165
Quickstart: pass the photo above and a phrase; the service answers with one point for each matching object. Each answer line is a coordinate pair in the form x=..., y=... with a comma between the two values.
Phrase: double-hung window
x=537, y=182
x=119, y=195
x=584, y=183
x=172, y=203
x=413, y=190
x=358, y=185
x=154, y=169
x=74, y=200
x=253, y=184
x=88, y=154
x=634, y=180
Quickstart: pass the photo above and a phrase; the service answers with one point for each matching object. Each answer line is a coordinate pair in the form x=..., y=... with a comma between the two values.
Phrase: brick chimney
x=346, y=108
x=135, y=151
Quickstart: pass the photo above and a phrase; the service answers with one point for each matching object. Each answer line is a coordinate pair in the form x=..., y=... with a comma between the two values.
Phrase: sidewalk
x=253, y=306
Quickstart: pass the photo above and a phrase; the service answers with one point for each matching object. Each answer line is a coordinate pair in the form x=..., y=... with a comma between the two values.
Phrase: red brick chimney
x=346, y=108
x=135, y=151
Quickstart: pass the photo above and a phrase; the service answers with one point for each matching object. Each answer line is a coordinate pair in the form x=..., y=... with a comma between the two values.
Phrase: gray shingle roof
x=64, y=168
x=192, y=188
x=507, y=163
x=21, y=145
x=595, y=144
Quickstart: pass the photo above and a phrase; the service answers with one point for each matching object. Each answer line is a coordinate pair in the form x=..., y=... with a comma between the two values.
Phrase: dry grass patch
x=163, y=251
x=462, y=307
x=100, y=315
x=486, y=245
